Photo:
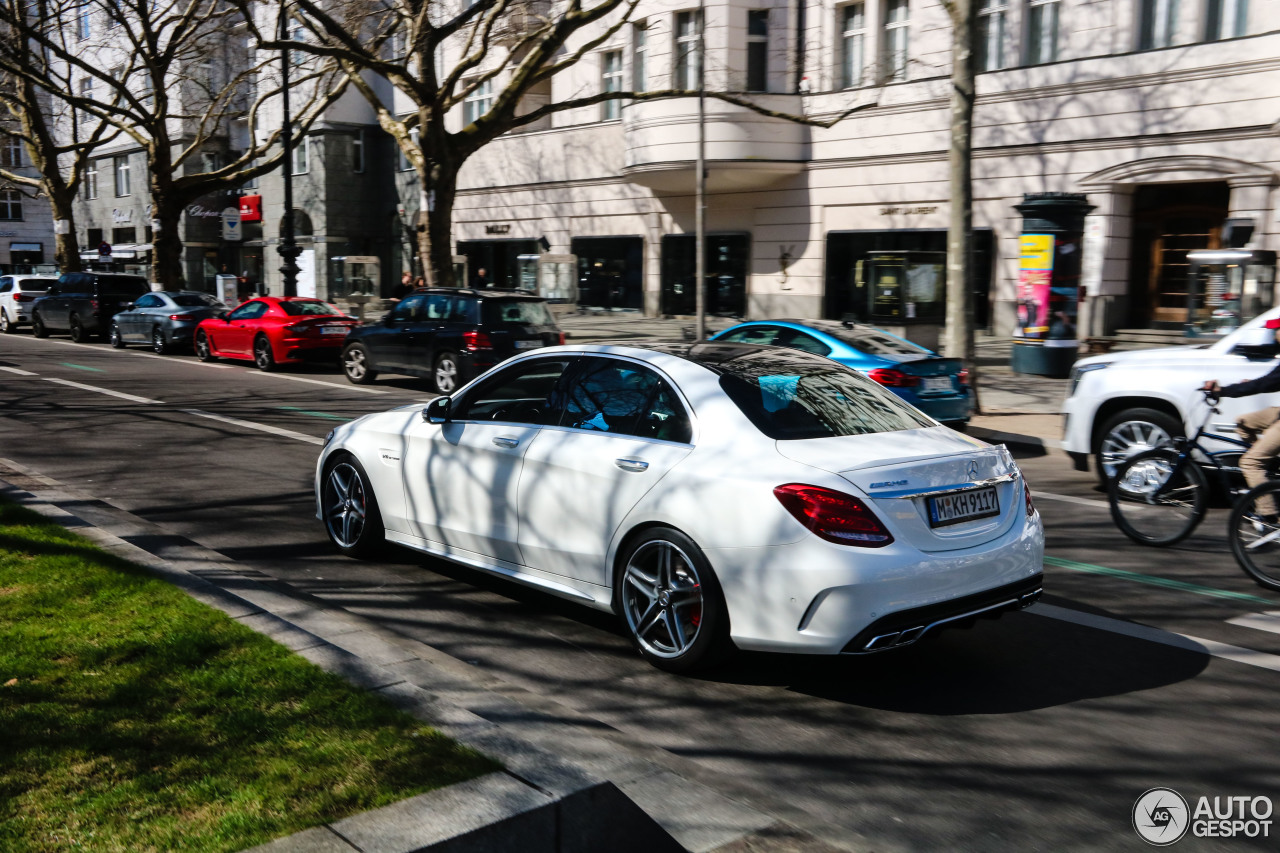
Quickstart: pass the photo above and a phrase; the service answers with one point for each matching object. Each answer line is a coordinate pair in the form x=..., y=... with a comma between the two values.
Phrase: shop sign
x=909, y=211
x=498, y=229
x=198, y=211
x=231, y=229
x=121, y=217
x=1034, y=279
x=250, y=208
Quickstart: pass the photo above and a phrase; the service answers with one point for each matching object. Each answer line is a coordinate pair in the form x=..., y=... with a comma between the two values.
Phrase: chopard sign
x=201, y=212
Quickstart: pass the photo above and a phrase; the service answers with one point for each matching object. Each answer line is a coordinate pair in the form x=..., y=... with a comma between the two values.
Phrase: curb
x=568, y=786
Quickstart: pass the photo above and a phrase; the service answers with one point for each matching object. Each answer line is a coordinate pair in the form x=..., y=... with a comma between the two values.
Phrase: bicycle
x=1159, y=496
x=1255, y=540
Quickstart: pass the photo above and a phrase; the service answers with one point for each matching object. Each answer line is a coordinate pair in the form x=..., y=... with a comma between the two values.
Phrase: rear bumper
x=309, y=349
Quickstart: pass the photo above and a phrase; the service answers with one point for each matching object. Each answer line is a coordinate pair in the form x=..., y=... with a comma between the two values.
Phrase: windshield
x=309, y=308
x=196, y=300
x=516, y=312
x=801, y=398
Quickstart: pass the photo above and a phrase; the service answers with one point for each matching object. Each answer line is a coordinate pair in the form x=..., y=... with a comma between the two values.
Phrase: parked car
x=937, y=386
x=449, y=336
x=164, y=319
x=17, y=294
x=1123, y=403
x=272, y=330
x=83, y=303
x=713, y=496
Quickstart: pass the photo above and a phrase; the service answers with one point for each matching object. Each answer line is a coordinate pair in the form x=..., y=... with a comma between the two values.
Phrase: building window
x=611, y=81
x=83, y=22
x=357, y=151
x=11, y=152
x=1158, y=23
x=86, y=92
x=124, y=236
x=301, y=156
x=122, y=175
x=639, y=50
x=989, y=43
x=1042, y=31
x=113, y=13
x=10, y=205
x=478, y=102
x=1225, y=19
x=688, y=64
x=757, y=50
x=853, y=44
x=91, y=179
x=897, y=24
x=402, y=162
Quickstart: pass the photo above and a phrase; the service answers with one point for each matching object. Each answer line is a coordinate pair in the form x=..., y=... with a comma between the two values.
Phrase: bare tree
x=437, y=56
x=177, y=79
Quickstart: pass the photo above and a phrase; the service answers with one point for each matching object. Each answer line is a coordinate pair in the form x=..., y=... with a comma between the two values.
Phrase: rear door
x=438, y=327
x=136, y=324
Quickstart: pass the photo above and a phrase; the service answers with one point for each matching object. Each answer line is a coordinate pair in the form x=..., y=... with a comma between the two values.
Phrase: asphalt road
x=1035, y=732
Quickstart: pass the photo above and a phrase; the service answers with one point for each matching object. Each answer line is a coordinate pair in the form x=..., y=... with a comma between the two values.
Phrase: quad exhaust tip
x=907, y=636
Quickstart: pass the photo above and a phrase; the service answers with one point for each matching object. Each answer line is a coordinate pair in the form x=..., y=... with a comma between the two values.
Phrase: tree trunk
x=435, y=227
x=66, y=250
x=166, y=241
x=958, y=342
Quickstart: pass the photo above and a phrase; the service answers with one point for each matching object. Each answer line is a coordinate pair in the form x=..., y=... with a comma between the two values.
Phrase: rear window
x=790, y=399
x=196, y=300
x=876, y=342
x=516, y=312
x=122, y=286
x=27, y=284
x=309, y=309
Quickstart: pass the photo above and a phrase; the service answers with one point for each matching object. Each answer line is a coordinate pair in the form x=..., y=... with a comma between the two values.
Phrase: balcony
x=744, y=149
x=521, y=18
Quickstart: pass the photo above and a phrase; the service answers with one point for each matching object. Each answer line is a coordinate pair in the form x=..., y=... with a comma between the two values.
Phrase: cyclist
x=1261, y=428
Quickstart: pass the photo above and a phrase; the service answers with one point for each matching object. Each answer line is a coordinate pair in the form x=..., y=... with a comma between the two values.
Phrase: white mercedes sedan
x=713, y=496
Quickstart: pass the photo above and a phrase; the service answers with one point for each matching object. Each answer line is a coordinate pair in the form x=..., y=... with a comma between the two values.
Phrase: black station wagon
x=449, y=336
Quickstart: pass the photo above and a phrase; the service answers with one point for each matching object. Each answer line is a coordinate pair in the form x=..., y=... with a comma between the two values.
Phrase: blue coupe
x=937, y=386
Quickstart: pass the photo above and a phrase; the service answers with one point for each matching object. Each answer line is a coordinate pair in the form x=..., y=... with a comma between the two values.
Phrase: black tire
x=76, y=329
x=356, y=365
x=204, y=349
x=114, y=336
x=7, y=326
x=1151, y=508
x=349, y=508
x=263, y=357
x=444, y=374
x=1139, y=429
x=158, y=344
x=1256, y=542
x=38, y=328
x=659, y=607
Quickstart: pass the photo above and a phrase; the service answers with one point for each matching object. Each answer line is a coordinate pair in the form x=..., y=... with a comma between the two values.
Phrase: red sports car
x=273, y=330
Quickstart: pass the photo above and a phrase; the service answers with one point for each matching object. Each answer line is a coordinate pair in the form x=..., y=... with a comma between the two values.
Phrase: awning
x=26, y=247
x=123, y=252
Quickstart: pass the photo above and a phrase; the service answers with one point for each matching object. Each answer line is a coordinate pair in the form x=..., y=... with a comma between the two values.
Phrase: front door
x=390, y=346
x=237, y=336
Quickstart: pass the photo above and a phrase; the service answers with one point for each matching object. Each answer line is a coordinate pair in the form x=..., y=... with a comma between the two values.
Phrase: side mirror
x=438, y=411
x=129, y=306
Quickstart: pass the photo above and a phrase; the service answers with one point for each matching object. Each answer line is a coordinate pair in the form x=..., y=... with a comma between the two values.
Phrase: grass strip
x=134, y=718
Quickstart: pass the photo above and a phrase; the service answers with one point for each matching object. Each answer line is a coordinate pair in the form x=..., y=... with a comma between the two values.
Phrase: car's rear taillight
x=1026, y=490
x=93, y=303
x=23, y=297
x=562, y=339
x=894, y=378
x=834, y=516
x=473, y=340
x=963, y=376
x=181, y=317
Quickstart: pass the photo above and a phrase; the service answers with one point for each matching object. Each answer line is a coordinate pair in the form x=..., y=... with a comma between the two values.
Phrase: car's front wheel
x=204, y=347
x=350, y=508
x=262, y=355
x=355, y=363
x=670, y=601
x=446, y=373
x=1130, y=432
x=117, y=340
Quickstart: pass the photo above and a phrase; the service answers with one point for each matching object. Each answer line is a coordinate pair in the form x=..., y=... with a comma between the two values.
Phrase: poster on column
x=1034, y=278
x=307, y=273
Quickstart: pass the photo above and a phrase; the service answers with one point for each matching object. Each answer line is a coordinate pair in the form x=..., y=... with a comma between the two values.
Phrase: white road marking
x=331, y=385
x=18, y=371
x=1269, y=621
x=1156, y=635
x=175, y=361
x=1069, y=499
x=97, y=390
x=287, y=433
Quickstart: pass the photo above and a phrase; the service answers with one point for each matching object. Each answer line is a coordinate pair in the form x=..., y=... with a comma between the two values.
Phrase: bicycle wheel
x=1254, y=541
x=1156, y=501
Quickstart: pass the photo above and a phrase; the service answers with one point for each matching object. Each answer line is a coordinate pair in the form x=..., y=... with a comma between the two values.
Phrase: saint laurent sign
x=907, y=211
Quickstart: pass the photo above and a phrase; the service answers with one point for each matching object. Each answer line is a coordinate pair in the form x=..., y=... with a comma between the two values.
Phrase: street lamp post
x=700, y=184
x=288, y=248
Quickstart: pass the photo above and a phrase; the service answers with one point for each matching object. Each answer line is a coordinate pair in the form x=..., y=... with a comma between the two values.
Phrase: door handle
x=506, y=442
x=633, y=465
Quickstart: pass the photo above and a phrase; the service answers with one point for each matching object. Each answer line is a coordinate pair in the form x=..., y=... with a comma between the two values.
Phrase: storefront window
x=610, y=271
x=1226, y=288
x=727, y=261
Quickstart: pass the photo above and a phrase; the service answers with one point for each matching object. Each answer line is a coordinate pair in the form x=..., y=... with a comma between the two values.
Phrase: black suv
x=449, y=336
x=83, y=303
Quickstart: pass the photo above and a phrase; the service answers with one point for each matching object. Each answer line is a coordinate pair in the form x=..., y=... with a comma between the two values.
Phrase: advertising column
x=1045, y=340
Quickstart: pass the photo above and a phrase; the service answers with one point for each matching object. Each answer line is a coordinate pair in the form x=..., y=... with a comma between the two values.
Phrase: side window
x=765, y=335
x=438, y=306
x=619, y=397
x=250, y=311
x=6, y=284
x=799, y=340
x=526, y=392
x=148, y=301
x=411, y=307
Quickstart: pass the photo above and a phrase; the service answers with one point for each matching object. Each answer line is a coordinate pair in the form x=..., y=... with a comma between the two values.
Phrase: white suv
x=17, y=293
x=1121, y=403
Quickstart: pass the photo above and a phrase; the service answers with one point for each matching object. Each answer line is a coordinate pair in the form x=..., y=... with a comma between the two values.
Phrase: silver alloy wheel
x=6, y=325
x=446, y=374
x=1127, y=438
x=158, y=345
x=204, y=352
x=117, y=340
x=662, y=599
x=355, y=364
x=345, y=504
x=262, y=356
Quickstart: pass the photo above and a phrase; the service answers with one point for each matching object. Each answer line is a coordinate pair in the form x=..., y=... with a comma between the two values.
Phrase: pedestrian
x=481, y=280
x=404, y=288
x=419, y=282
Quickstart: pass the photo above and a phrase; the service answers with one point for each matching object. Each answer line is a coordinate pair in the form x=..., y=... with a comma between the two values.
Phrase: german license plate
x=528, y=344
x=963, y=506
x=333, y=330
x=935, y=384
